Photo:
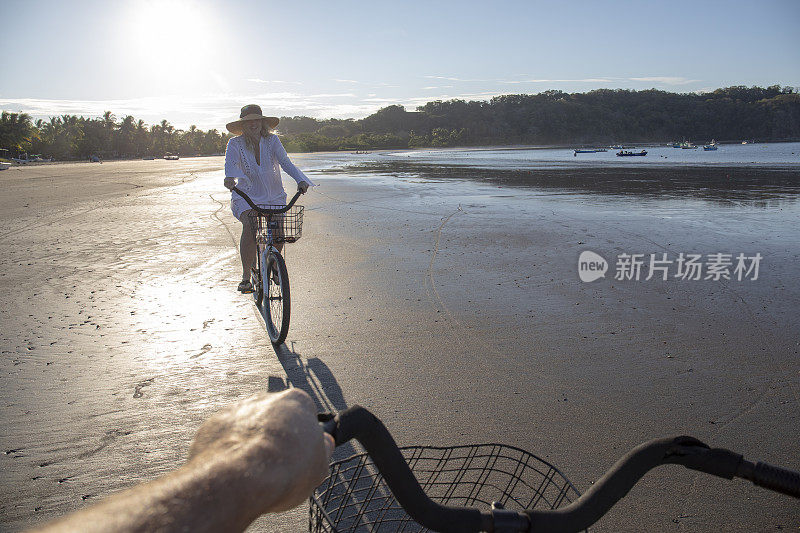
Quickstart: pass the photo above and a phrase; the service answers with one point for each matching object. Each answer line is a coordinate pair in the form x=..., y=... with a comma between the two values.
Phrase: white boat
x=4, y=165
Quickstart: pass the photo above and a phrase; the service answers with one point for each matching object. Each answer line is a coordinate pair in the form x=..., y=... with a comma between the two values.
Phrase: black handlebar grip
x=776, y=478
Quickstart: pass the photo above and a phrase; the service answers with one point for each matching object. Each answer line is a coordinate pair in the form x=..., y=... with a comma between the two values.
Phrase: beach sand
x=452, y=310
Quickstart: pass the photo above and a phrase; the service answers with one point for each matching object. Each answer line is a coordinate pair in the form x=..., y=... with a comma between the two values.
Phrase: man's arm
x=264, y=454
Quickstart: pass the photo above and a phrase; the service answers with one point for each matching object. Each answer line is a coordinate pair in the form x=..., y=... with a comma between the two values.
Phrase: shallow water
x=528, y=158
x=751, y=177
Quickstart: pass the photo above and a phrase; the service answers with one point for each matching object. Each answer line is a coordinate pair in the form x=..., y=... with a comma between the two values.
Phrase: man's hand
x=302, y=186
x=230, y=183
x=276, y=444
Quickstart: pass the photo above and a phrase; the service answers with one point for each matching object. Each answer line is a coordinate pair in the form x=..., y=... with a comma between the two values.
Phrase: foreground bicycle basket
x=355, y=496
x=278, y=227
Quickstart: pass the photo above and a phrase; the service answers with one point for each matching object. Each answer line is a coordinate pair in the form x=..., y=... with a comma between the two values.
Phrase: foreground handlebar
x=358, y=423
x=267, y=211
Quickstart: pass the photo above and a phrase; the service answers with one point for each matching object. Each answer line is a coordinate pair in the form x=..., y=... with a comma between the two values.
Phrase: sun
x=170, y=39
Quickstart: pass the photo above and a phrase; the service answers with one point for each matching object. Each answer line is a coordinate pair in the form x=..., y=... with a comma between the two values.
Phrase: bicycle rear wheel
x=276, y=299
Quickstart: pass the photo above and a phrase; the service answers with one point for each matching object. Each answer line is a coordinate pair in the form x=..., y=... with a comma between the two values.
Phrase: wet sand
x=452, y=310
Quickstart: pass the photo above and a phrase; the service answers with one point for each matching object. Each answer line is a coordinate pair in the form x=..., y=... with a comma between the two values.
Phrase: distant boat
x=171, y=157
x=4, y=165
x=709, y=147
x=629, y=154
x=585, y=151
x=619, y=147
x=687, y=146
x=674, y=145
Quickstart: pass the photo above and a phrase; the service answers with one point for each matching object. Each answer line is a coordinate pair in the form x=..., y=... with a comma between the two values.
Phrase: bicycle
x=269, y=277
x=378, y=490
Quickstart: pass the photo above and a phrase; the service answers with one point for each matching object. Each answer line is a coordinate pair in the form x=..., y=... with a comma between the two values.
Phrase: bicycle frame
x=269, y=225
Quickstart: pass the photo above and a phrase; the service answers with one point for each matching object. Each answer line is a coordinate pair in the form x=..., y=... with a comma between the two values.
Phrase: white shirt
x=262, y=183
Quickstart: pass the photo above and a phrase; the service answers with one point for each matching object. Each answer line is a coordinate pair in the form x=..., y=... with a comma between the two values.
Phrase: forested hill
x=553, y=117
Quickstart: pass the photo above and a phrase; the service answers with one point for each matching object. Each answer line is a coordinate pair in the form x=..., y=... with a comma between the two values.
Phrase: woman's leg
x=279, y=232
x=247, y=245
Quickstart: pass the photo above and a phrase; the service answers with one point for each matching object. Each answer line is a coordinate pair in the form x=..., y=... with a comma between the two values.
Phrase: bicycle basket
x=354, y=497
x=278, y=227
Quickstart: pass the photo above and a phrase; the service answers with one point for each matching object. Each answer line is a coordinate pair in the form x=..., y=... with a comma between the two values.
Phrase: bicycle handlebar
x=358, y=423
x=268, y=211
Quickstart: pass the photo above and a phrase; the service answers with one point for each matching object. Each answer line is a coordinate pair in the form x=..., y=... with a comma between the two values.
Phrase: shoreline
x=478, y=148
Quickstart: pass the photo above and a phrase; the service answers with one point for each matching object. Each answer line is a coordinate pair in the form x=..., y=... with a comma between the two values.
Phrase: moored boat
x=625, y=153
x=4, y=165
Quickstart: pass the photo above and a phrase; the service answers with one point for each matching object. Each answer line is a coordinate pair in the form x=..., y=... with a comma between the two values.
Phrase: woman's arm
x=286, y=164
x=233, y=168
x=264, y=454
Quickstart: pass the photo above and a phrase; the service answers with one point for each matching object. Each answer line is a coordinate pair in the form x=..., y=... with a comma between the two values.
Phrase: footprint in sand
x=205, y=350
x=137, y=391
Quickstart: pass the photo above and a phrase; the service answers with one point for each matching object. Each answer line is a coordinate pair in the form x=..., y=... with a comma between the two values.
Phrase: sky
x=198, y=61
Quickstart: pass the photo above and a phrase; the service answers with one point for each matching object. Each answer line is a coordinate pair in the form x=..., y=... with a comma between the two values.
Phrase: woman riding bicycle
x=253, y=160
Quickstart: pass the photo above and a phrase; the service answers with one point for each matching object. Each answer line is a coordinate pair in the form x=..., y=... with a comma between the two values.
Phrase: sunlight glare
x=171, y=41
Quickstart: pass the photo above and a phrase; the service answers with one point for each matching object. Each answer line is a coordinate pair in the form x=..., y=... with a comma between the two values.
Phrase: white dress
x=262, y=183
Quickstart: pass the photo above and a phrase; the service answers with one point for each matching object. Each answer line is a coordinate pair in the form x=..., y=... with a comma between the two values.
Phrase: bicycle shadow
x=313, y=376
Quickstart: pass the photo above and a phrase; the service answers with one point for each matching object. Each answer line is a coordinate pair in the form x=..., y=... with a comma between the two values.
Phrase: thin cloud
x=449, y=78
x=545, y=80
x=667, y=80
x=258, y=80
x=346, y=81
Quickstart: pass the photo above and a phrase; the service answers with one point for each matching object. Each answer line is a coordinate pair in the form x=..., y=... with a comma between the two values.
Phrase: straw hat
x=250, y=112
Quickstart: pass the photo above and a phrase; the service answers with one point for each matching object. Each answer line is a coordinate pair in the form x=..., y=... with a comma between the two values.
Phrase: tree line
x=70, y=137
x=601, y=116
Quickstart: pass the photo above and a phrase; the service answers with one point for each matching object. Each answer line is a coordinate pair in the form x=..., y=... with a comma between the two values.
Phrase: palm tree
x=16, y=131
x=124, y=137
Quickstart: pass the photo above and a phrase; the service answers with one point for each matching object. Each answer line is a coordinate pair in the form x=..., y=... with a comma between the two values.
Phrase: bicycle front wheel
x=276, y=303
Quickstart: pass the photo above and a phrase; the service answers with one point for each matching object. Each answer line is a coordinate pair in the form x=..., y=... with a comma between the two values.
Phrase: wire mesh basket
x=278, y=227
x=354, y=497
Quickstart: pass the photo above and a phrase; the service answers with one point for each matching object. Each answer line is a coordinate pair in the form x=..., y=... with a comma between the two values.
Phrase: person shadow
x=315, y=378
x=312, y=376
x=356, y=476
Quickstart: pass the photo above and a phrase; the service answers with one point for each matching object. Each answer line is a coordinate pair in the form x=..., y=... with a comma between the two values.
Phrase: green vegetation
x=552, y=117
x=69, y=137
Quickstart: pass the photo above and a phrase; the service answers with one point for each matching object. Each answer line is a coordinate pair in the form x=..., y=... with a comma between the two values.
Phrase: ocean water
x=749, y=189
x=782, y=154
